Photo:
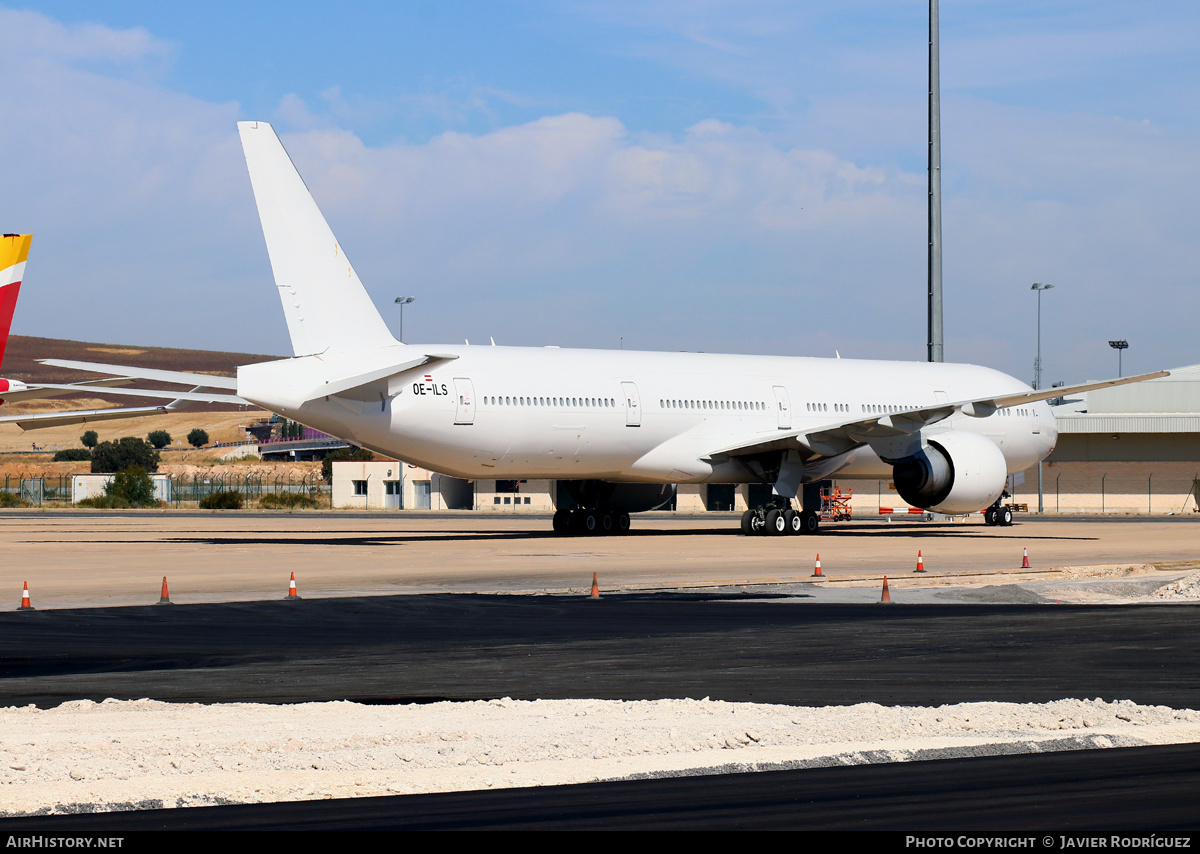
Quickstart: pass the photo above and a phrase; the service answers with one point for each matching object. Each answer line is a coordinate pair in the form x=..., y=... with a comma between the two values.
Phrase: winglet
x=326, y=306
x=14, y=250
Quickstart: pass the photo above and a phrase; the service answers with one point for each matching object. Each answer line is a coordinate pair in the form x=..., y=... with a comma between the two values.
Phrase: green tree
x=89, y=439
x=159, y=439
x=351, y=453
x=72, y=455
x=197, y=438
x=120, y=455
x=131, y=486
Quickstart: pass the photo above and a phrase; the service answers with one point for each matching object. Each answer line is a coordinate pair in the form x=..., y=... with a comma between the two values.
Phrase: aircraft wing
x=37, y=392
x=192, y=396
x=181, y=377
x=839, y=437
x=80, y=416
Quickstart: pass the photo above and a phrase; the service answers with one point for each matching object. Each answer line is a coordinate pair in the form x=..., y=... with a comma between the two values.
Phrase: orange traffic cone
x=1024, y=558
x=595, y=587
x=292, y=596
x=920, y=562
x=25, y=606
x=165, y=598
x=817, y=570
x=887, y=597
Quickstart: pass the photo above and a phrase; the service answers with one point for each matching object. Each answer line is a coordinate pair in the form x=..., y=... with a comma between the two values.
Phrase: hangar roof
x=1167, y=405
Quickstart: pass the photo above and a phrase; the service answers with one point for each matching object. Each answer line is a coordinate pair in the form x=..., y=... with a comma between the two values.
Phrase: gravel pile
x=1187, y=587
x=85, y=756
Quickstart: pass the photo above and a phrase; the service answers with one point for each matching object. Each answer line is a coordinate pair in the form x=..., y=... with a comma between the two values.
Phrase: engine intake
x=957, y=472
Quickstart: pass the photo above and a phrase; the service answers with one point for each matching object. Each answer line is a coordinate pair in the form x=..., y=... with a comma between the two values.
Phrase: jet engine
x=627, y=497
x=957, y=472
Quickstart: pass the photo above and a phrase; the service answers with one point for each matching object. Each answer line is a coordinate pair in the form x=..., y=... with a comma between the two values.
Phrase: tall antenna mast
x=935, y=193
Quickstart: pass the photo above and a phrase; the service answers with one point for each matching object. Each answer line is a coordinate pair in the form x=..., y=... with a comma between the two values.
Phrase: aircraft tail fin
x=326, y=306
x=14, y=249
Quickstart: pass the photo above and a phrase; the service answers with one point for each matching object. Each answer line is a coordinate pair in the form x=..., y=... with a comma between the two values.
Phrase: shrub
x=120, y=455
x=89, y=439
x=227, y=499
x=197, y=438
x=159, y=439
x=132, y=486
x=12, y=499
x=72, y=455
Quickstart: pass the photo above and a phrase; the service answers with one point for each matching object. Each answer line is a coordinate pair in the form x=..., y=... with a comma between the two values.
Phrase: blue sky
x=719, y=176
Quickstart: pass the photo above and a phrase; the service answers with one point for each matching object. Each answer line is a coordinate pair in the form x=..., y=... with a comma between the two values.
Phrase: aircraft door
x=464, y=412
x=784, y=407
x=633, y=409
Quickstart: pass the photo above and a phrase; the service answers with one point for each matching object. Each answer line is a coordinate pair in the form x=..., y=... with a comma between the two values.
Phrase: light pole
x=403, y=301
x=1037, y=363
x=1037, y=371
x=1119, y=345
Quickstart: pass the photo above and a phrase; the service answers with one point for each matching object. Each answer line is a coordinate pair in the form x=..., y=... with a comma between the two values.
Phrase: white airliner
x=621, y=427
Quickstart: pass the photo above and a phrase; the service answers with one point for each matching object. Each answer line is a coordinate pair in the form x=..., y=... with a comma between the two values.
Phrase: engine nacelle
x=958, y=472
x=629, y=497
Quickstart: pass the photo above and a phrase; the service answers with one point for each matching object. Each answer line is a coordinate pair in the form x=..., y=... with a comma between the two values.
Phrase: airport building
x=1129, y=449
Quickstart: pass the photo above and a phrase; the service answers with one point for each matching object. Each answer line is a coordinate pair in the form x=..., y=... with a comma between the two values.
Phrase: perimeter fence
x=58, y=491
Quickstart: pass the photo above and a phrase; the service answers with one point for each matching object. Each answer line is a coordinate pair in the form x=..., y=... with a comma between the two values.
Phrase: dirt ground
x=220, y=426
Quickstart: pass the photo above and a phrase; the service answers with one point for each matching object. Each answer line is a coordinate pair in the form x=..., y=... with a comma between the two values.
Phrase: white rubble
x=147, y=754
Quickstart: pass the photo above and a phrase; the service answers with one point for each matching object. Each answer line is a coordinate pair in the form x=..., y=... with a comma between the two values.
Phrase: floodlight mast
x=402, y=301
x=1037, y=363
x=1120, y=345
x=934, y=265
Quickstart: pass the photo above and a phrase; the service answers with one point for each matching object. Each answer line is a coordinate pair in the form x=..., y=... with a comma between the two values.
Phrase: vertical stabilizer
x=14, y=250
x=326, y=306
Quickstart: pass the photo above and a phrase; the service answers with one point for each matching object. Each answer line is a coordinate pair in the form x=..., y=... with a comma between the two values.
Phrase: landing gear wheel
x=792, y=520
x=622, y=525
x=758, y=524
x=989, y=516
x=562, y=521
x=589, y=522
x=809, y=522
x=1005, y=517
x=748, y=523
x=776, y=524
x=608, y=524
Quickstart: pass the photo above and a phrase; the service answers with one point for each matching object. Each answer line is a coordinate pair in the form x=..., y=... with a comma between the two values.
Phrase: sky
x=743, y=177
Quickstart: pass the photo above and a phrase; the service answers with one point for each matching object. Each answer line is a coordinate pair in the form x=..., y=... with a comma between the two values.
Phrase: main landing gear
x=580, y=521
x=997, y=515
x=779, y=519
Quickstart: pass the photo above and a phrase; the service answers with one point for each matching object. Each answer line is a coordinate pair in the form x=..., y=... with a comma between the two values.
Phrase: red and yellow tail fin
x=14, y=249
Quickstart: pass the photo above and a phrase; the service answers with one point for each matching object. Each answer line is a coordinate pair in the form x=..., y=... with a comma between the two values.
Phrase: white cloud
x=575, y=229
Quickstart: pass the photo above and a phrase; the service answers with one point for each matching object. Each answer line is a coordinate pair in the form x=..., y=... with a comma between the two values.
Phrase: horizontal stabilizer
x=181, y=377
x=363, y=386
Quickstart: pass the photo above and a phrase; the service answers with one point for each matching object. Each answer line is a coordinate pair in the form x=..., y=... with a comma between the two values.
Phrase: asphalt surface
x=465, y=647
x=468, y=647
